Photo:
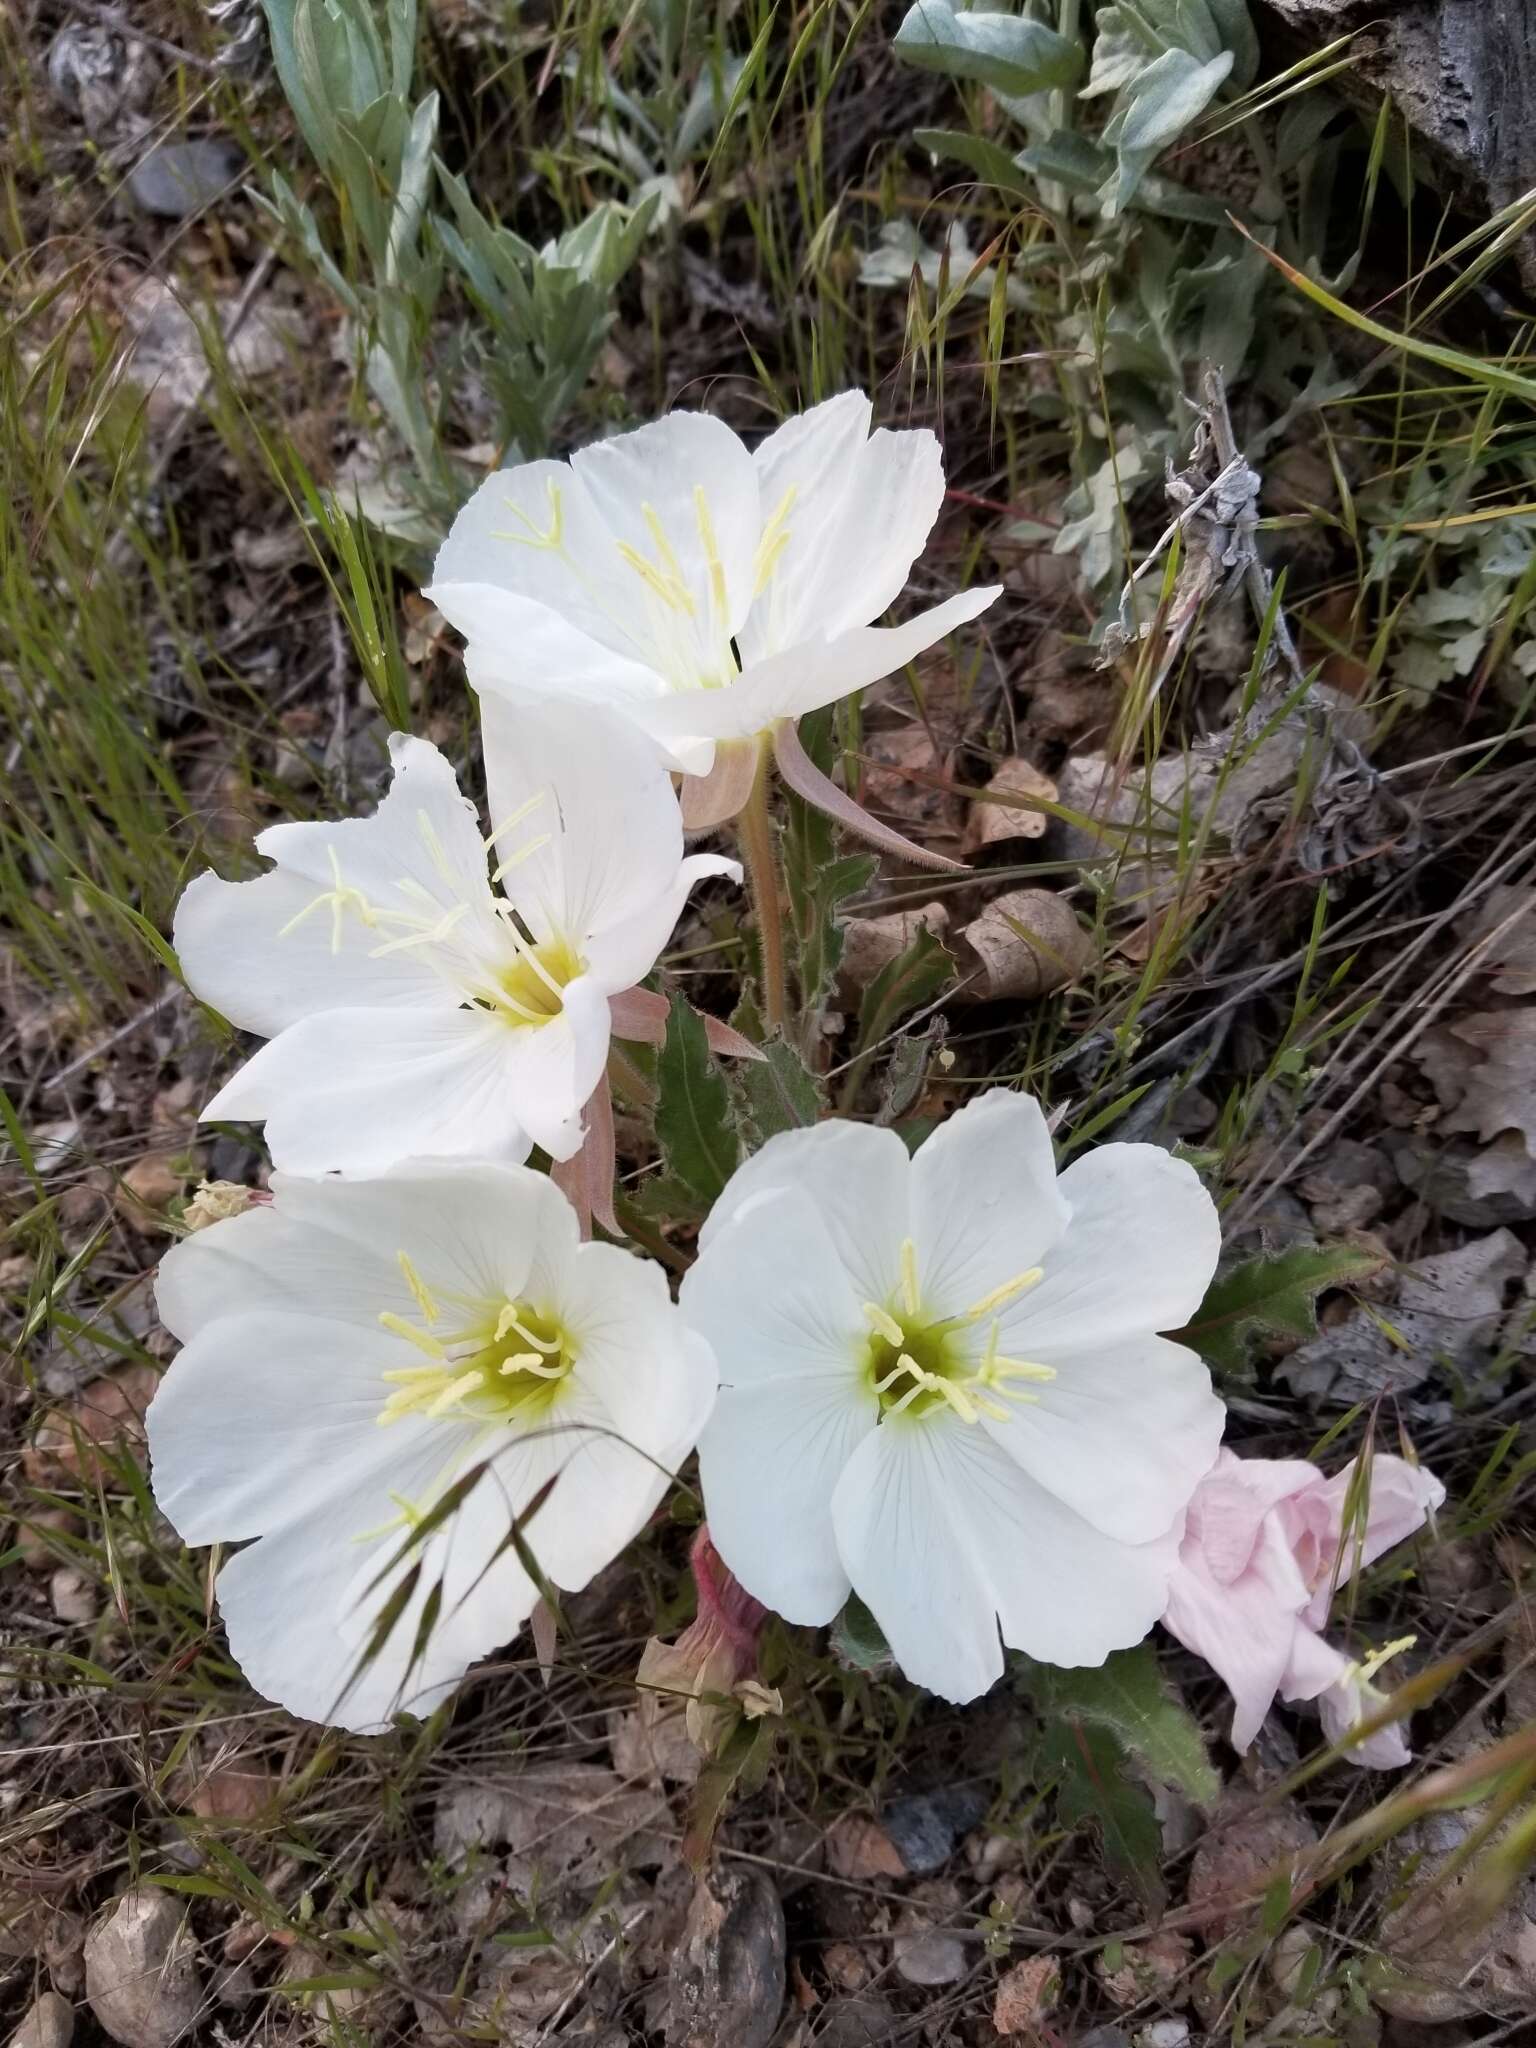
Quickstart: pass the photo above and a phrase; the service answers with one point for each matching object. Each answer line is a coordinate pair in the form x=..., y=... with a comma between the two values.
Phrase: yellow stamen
x=1368, y=1667
x=883, y=1323
x=433, y=936
x=711, y=553
x=418, y=1287
x=401, y=1328
x=1007, y=1292
x=523, y=810
x=508, y=1320
x=911, y=1295
x=772, y=542
x=435, y=850
x=532, y=537
x=523, y=853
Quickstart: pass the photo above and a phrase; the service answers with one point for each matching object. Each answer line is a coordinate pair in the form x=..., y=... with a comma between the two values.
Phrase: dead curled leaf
x=1483, y=1068
x=993, y=819
x=870, y=944
x=1023, y=944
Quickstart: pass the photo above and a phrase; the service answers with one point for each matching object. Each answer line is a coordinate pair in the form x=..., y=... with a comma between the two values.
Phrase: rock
x=992, y=823
x=1164, y=2034
x=1443, y=1954
x=1461, y=73
x=169, y=361
x=1449, y=1306
x=855, y=2023
x=726, y=1980
x=1026, y=1994
x=180, y=178
x=1243, y=1850
x=563, y=1825
x=106, y=1418
x=229, y=1792
x=861, y=1850
x=49, y=2023
x=1023, y=944
x=141, y=1974
x=72, y=1596
x=925, y=1951
x=926, y=1827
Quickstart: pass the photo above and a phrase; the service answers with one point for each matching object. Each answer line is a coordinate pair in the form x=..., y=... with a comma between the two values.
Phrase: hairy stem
x=754, y=835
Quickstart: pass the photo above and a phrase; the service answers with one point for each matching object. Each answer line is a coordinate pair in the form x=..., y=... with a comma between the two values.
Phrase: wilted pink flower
x=1265, y=1546
x=715, y=1655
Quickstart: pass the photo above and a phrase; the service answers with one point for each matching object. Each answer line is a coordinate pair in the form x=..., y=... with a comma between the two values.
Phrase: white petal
x=230, y=939
x=984, y=1202
x=266, y=1416
x=272, y=1260
x=300, y=1605
x=654, y=1376
x=524, y=650
x=609, y=868
x=773, y=1296
x=533, y=531
x=805, y=677
x=948, y=1543
x=548, y=1074
x=270, y=951
x=769, y=1463
x=358, y=1090
x=470, y=1228
x=1123, y=1434
x=656, y=477
x=861, y=510
x=1138, y=1254
x=856, y=1175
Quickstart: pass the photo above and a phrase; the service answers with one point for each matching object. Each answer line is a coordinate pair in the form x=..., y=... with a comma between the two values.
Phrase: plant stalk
x=754, y=835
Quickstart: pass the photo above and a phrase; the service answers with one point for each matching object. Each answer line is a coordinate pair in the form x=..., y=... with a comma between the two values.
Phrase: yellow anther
x=435, y=849
x=466, y=1383
x=532, y=536
x=508, y=1320
x=523, y=810
x=341, y=897
x=883, y=1323
x=409, y=1331
x=523, y=853
x=418, y=1287
x=717, y=590
x=911, y=1296
x=772, y=542
x=1009, y=1290
x=1021, y=1369
x=1368, y=1667
x=671, y=592
x=432, y=936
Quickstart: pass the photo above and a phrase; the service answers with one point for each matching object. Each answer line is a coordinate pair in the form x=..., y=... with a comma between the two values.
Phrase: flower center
x=918, y=1364
x=505, y=1359
x=531, y=991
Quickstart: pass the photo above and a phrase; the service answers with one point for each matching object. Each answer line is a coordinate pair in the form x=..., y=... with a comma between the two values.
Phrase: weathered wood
x=1461, y=72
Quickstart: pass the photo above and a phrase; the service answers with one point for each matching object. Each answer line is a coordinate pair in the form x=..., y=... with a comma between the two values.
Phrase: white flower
x=942, y=1387
x=707, y=591
x=355, y=1350
x=414, y=1010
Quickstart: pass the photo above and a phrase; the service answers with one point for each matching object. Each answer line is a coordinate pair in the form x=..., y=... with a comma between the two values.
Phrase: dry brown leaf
x=1511, y=960
x=1023, y=944
x=1483, y=1068
x=992, y=821
x=106, y=1416
x=870, y=944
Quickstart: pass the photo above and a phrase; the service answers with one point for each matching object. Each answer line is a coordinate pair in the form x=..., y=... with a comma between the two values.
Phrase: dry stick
x=135, y=1023
x=1453, y=987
